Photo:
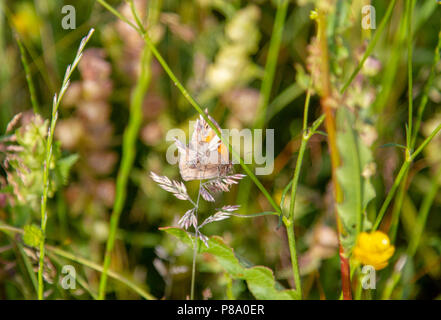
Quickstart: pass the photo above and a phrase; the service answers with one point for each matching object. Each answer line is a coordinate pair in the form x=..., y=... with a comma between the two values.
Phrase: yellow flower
x=26, y=21
x=373, y=249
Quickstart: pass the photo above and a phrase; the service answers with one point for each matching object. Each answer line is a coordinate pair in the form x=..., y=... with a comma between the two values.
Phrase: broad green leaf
x=260, y=280
x=357, y=190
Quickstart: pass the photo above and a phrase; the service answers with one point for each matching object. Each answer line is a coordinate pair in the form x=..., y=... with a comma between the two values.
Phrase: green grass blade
x=271, y=63
x=24, y=60
x=128, y=152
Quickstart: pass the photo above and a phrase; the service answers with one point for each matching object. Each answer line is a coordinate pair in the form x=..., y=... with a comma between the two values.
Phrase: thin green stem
x=119, y=15
x=135, y=15
x=193, y=267
x=306, y=109
x=5, y=75
x=47, y=39
x=128, y=158
x=24, y=60
x=129, y=139
x=371, y=45
x=428, y=85
x=284, y=99
x=423, y=214
x=410, y=4
x=48, y=157
x=289, y=222
x=230, y=293
x=195, y=246
x=385, y=96
x=425, y=142
x=271, y=62
x=412, y=133
x=391, y=194
x=290, y=225
x=296, y=177
x=293, y=252
x=401, y=174
x=305, y=138
x=395, y=218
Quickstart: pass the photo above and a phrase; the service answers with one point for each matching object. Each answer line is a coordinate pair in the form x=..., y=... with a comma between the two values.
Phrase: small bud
x=32, y=236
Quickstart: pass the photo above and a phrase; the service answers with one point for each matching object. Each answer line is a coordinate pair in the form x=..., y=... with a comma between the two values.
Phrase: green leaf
x=282, y=203
x=387, y=145
x=260, y=279
x=63, y=168
x=321, y=133
x=254, y=215
x=32, y=236
x=317, y=124
x=357, y=190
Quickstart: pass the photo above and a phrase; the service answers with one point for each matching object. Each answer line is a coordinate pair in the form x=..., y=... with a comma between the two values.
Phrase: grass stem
x=195, y=246
x=427, y=86
x=410, y=4
x=289, y=223
x=127, y=161
x=423, y=214
x=48, y=157
x=24, y=60
x=401, y=174
x=271, y=62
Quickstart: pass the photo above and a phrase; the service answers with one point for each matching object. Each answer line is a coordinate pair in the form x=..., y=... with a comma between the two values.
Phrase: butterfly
x=205, y=157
